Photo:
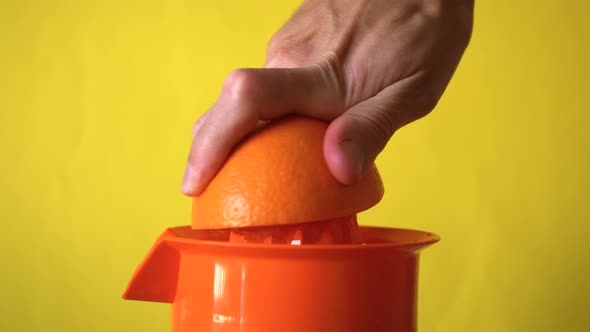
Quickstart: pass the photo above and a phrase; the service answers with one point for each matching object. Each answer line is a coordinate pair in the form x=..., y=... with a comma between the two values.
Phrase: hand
x=369, y=67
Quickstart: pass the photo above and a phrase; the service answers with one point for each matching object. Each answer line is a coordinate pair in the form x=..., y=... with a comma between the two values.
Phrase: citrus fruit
x=278, y=176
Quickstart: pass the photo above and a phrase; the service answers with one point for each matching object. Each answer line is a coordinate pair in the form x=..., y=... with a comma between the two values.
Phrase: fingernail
x=187, y=182
x=355, y=157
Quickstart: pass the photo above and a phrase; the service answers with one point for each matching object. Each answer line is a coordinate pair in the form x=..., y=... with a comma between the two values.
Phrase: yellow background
x=97, y=99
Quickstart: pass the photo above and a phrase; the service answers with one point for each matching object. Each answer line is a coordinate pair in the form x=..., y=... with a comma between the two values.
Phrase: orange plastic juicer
x=274, y=245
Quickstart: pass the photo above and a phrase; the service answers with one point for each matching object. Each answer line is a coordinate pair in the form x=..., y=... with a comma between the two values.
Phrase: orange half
x=278, y=176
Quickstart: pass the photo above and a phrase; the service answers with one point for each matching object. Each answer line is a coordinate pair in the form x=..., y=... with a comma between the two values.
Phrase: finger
x=355, y=138
x=199, y=123
x=251, y=95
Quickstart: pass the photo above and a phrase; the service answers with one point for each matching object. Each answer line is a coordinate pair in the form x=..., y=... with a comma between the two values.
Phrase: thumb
x=355, y=138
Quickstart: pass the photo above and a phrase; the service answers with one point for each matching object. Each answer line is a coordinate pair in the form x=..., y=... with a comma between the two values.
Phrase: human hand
x=367, y=66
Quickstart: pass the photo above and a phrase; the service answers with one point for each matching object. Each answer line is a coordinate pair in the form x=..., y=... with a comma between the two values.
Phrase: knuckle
x=288, y=52
x=241, y=85
x=292, y=49
x=279, y=45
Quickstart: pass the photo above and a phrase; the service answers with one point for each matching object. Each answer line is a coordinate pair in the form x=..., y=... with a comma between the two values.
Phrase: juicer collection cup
x=218, y=286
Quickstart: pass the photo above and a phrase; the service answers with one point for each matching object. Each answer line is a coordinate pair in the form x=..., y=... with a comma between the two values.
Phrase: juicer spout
x=156, y=278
